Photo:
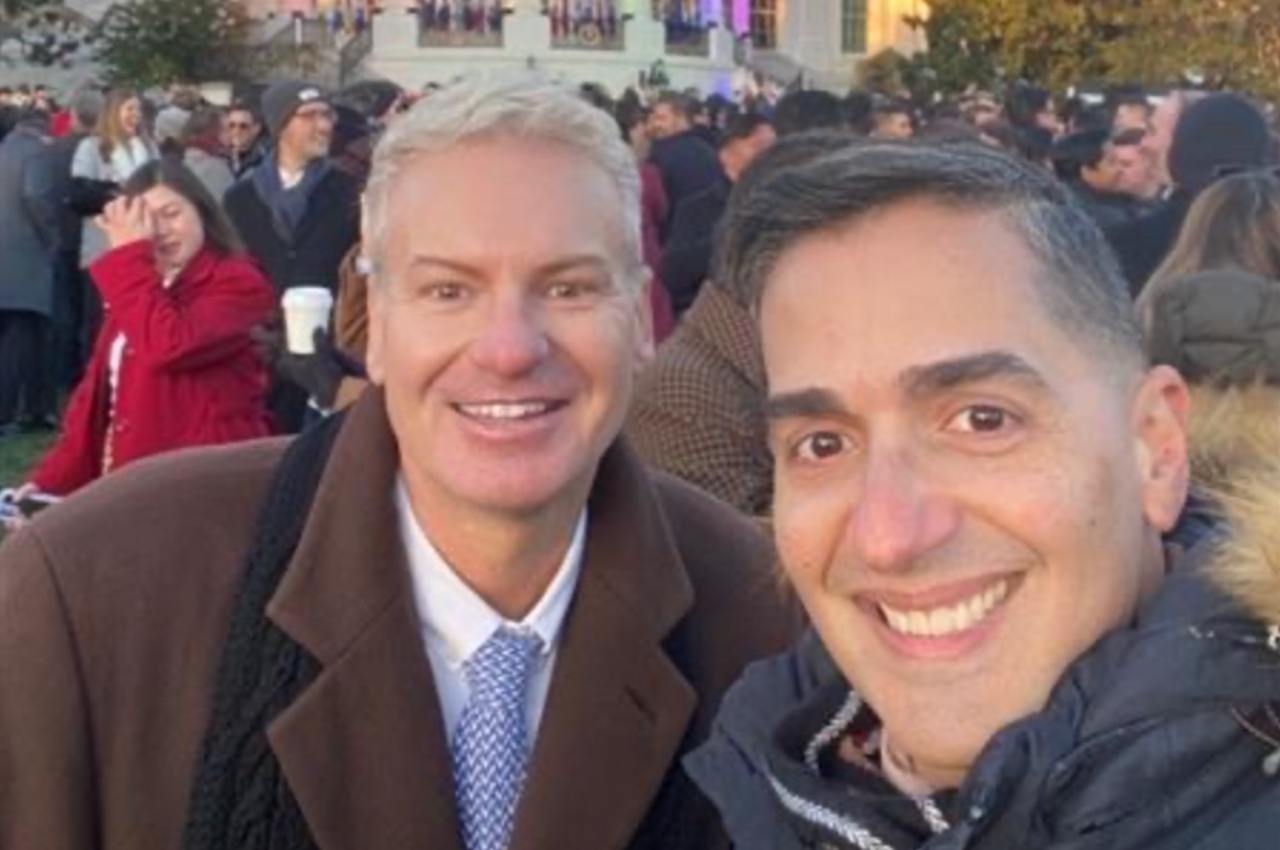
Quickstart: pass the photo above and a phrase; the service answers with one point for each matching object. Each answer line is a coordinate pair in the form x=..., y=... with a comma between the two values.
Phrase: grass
x=18, y=454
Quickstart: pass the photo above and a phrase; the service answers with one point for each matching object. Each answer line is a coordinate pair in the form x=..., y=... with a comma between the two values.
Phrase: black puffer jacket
x=1140, y=747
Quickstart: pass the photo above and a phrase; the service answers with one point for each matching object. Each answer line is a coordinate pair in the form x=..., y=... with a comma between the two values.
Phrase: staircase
x=311, y=50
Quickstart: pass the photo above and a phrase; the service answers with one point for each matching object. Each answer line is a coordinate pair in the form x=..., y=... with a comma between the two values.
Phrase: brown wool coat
x=114, y=607
x=698, y=408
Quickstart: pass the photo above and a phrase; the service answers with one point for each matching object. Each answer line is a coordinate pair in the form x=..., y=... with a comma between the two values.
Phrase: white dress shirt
x=456, y=622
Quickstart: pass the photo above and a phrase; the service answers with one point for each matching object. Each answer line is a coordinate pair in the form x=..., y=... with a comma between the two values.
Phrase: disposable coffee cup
x=306, y=310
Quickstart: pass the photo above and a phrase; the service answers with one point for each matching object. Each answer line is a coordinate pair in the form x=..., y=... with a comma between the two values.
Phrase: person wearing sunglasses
x=242, y=136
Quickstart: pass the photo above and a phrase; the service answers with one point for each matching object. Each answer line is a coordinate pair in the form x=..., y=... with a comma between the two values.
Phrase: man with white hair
x=462, y=615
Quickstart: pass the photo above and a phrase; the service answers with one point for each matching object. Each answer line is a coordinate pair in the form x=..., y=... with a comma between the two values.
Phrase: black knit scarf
x=240, y=800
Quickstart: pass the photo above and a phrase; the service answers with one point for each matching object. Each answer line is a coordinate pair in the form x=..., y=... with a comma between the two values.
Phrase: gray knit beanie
x=284, y=98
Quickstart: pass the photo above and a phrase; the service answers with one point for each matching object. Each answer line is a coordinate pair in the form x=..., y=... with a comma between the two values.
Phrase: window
x=853, y=26
x=764, y=24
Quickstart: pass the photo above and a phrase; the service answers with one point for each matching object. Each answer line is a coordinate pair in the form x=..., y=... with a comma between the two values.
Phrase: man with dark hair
x=1087, y=162
x=1130, y=110
x=671, y=115
x=244, y=142
x=1136, y=173
x=688, y=164
x=980, y=499
x=1221, y=131
x=1028, y=107
x=697, y=410
x=892, y=118
x=686, y=255
x=298, y=214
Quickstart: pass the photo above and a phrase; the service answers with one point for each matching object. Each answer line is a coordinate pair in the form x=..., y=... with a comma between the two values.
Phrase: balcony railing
x=685, y=25
x=459, y=23
x=585, y=24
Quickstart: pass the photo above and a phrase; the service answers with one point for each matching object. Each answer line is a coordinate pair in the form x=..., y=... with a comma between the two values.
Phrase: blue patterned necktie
x=491, y=744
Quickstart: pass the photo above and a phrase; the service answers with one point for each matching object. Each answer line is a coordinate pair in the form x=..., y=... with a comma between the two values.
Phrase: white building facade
x=714, y=45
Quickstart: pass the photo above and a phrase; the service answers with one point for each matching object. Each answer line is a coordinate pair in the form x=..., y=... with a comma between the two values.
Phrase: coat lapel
x=618, y=708
x=363, y=748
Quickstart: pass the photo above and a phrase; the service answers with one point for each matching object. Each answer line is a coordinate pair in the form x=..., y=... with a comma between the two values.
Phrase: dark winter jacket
x=688, y=165
x=1222, y=131
x=307, y=255
x=1109, y=209
x=312, y=253
x=686, y=258
x=1141, y=245
x=1141, y=746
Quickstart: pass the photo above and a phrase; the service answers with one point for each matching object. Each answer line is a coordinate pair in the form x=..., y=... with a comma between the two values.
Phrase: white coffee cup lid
x=307, y=296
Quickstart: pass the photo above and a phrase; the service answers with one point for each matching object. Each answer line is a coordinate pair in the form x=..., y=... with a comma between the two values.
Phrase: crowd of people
x=991, y=382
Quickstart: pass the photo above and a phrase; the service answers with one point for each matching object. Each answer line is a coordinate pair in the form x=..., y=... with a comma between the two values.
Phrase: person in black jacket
x=1220, y=132
x=686, y=162
x=686, y=256
x=297, y=213
x=74, y=327
x=981, y=499
x=245, y=145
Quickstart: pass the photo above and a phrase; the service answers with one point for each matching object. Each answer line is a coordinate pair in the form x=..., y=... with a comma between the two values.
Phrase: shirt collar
x=454, y=616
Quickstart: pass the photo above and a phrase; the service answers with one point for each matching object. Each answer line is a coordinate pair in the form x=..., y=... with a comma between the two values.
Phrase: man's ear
x=1160, y=426
x=375, y=304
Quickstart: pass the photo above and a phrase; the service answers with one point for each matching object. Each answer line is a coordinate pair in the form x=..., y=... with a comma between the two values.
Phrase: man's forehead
x=914, y=284
x=481, y=206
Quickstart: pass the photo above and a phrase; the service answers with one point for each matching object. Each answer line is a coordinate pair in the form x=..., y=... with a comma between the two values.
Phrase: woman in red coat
x=173, y=365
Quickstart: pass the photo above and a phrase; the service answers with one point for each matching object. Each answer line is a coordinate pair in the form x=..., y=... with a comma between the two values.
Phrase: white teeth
x=505, y=410
x=948, y=620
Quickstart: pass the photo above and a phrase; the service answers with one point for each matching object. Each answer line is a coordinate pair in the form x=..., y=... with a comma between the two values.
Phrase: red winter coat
x=190, y=375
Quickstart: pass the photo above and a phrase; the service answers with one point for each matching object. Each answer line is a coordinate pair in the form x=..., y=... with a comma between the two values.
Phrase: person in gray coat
x=28, y=242
x=203, y=151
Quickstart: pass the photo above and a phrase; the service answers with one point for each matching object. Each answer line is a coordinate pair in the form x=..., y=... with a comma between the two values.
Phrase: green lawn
x=19, y=454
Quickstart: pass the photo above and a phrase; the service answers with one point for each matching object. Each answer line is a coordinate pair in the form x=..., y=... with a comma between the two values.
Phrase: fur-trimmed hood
x=1234, y=436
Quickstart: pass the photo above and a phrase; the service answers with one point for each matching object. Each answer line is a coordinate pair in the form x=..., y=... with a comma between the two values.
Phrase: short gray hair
x=1082, y=289
x=524, y=106
x=86, y=107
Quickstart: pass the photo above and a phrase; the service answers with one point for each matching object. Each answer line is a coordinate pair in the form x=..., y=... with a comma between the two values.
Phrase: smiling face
x=965, y=498
x=505, y=333
x=179, y=230
x=130, y=116
x=308, y=133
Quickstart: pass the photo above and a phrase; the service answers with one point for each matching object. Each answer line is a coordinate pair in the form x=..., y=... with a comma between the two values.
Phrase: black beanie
x=1221, y=131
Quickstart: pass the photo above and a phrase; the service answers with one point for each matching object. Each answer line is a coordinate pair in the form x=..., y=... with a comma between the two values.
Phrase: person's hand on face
x=127, y=220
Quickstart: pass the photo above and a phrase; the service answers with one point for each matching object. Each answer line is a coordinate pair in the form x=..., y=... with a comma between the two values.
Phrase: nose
x=901, y=515
x=514, y=340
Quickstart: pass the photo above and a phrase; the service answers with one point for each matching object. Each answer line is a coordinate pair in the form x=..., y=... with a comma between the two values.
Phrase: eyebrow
x=583, y=262
x=809, y=403
x=917, y=381
x=946, y=375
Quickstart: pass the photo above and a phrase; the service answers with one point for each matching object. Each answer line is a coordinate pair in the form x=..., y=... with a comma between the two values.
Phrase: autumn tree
x=1061, y=43
x=1226, y=43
